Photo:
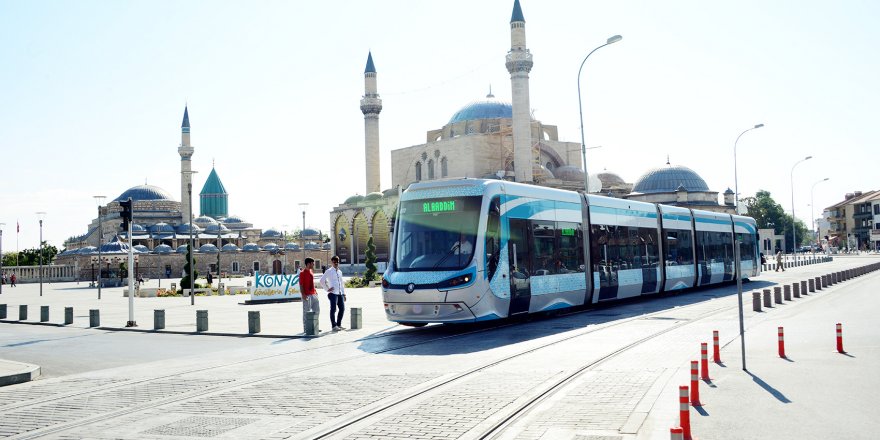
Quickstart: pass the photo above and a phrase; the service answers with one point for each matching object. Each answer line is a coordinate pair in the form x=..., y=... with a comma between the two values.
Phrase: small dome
x=373, y=196
x=181, y=249
x=310, y=246
x=271, y=247
x=215, y=228
x=162, y=249
x=144, y=192
x=230, y=247
x=138, y=229
x=208, y=249
x=326, y=246
x=271, y=233
x=668, y=179
x=389, y=192
x=728, y=192
x=490, y=109
x=309, y=233
x=203, y=221
x=161, y=228
x=141, y=248
x=233, y=219
x=115, y=247
x=291, y=246
x=610, y=179
x=569, y=173
x=251, y=247
x=184, y=229
x=354, y=199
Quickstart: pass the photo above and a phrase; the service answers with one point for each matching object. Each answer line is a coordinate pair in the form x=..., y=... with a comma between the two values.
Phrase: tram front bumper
x=428, y=312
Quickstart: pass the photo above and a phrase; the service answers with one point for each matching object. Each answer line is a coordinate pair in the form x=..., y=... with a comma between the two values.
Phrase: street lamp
x=610, y=40
x=739, y=291
x=813, y=208
x=793, y=219
x=98, y=200
x=40, y=215
x=192, y=282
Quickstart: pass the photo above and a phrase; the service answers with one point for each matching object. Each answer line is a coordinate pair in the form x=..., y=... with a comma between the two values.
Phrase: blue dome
x=86, y=250
x=144, y=192
x=483, y=110
x=270, y=233
x=138, y=229
x=309, y=233
x=141, y=248
x=204, y=220
x=326, y=246
x=668, y=179
x=116, y=247
x=251, y=247
x=181, y=249
x=229, y=247
x=233, y=219
x=162, y=228
x=184, y=229
x=208, y=249
x=291, y=247
x=311, y=246
x=212, y=229
x=162, y=249
x=270, y=247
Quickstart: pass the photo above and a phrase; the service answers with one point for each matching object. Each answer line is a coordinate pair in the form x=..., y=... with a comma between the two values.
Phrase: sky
x=92, y=95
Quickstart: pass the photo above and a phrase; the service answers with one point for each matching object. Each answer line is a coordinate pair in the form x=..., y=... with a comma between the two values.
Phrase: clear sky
x=92, y=95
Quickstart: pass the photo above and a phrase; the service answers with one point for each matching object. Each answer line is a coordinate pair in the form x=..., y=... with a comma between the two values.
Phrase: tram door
x=519, y=249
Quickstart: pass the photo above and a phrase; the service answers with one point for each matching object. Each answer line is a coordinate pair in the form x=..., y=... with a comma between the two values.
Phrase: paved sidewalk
x=12, y=372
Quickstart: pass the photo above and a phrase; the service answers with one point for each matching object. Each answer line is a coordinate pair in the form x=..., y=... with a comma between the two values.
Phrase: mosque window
x=444, y=167
x=418, y=171
x=235, y=267
x=430, y=169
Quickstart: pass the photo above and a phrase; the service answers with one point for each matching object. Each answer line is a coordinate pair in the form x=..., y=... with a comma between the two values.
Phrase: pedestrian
x=12, y=280
x=307, y=290
x=779, y=263
x=335, y=287
x=210, y=278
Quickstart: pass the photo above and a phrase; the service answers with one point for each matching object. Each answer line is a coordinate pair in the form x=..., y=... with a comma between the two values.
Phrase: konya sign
x=274, y=287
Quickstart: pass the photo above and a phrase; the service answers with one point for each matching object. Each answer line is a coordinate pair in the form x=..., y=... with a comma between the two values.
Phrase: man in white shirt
x=335, y=287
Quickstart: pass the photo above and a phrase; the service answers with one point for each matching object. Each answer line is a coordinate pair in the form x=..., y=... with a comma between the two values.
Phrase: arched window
x=444, y=167
x=430, y=169
x=418, y=171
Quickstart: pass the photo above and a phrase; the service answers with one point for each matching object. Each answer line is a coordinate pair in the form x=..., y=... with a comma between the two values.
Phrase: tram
x=468, y=250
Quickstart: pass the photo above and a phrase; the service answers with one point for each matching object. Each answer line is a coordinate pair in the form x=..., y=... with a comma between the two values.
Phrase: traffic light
x=126, y=213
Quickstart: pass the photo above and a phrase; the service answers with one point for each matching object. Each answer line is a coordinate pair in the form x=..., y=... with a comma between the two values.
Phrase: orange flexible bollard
x=840, y=338
x=781, y=343
x=704, y=360
x=695, y=385
x=716, y=349
x=684, y=415
x=676, y=433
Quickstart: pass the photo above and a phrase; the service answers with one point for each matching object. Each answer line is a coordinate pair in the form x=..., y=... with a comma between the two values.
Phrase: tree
x=185, y=281
x=370, y=274
x=31, y=257
x=770, y=214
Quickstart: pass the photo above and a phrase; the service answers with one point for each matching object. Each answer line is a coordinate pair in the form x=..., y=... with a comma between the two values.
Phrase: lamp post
x=739, y=292
x=98, y=200
x=40, y=214
x=610, y=40
x=793, y=219
x=813, y=208
x=192, y=282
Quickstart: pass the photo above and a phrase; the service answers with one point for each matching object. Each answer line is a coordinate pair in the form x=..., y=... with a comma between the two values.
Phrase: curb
x=27, y=373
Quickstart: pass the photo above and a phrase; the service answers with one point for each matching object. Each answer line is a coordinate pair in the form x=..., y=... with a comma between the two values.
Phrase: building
x=161, y=231
x=852, y=222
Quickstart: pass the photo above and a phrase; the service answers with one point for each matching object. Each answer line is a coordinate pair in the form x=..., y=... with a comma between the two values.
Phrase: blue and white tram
x=470, y=250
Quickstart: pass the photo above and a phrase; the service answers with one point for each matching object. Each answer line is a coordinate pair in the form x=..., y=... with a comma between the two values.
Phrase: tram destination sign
x=438, y=206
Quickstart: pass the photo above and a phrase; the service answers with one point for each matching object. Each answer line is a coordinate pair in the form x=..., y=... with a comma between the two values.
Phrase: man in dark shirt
x=307, y=288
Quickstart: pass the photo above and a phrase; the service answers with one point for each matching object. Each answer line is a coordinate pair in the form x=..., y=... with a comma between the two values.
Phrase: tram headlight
x=454, y=282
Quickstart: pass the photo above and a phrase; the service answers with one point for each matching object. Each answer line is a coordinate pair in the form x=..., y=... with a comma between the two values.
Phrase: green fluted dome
x=214, y=200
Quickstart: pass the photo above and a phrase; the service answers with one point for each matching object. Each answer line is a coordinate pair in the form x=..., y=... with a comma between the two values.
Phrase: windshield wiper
x=448, y=253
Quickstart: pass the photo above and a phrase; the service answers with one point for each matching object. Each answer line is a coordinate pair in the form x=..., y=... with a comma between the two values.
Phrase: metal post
x=219, y=246
x=611, y=40
x=739, y=295
x=1, y=256
x=192, y=282
x=131, y=322
x=40, y=214
x=100, y=240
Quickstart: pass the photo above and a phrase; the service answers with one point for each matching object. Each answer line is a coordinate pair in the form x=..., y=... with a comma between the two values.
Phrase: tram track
x=337, y=426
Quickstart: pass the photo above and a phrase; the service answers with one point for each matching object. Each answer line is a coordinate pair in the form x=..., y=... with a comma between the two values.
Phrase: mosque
x=490, y=139
x=161, y=229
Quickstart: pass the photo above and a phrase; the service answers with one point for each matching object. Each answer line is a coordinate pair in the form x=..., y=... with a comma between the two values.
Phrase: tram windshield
x=437, y=234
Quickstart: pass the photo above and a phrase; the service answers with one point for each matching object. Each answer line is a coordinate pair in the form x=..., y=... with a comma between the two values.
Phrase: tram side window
x=679, y=247
x=493, y=236
x=616, y=248
x=543, y=248
x=570, y=252
x=747, y=250
x=715, y=247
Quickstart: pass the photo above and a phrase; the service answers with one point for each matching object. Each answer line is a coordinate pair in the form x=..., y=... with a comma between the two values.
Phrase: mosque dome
x=181, y=249
x=291, y=247
x=162, y=249
x=251, y=247
x=326, y=246
x=236, y=222
x=116, y=247
x=271, y=233
x=569, y=173
x=208, y=249
x=391, y=192
x=310, y=246
x=203, y=221
x=489, y=109
x=141, y=248
x=230, y=247
x=373, y=196
x=162, y=228
x=610, y=179
x=309, y=233
x=138, y=229
x=215, y=228
x=233, y=219
x=271, y=247
x=354, y=199
x=668, y=179
x=184, y=229
x=144, y=192
x=86, y=250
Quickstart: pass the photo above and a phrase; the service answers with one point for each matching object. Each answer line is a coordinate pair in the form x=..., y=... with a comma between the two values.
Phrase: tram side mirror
x=519, y=276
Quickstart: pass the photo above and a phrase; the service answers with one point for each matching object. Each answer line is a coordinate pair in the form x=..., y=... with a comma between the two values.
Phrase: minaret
x=186, y=151
x=519, y=64
x=371, y=105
